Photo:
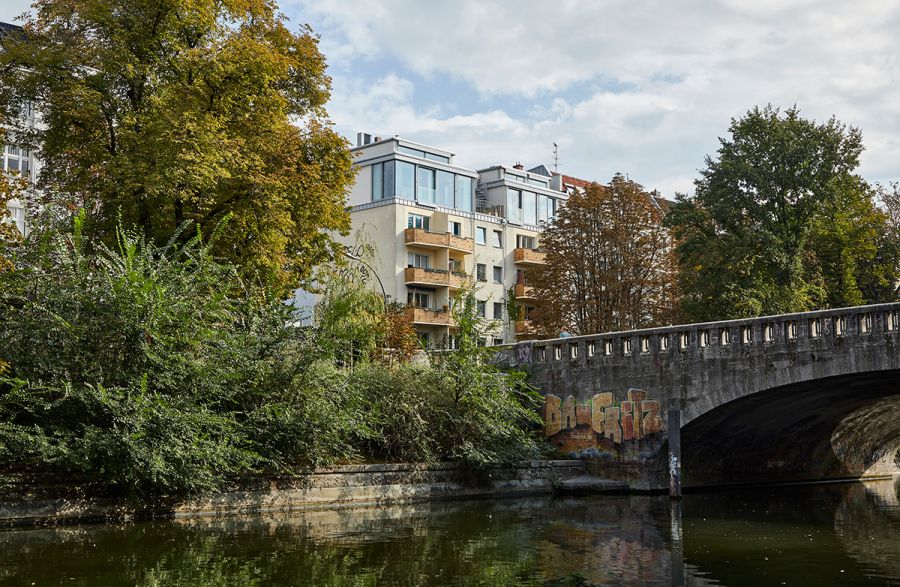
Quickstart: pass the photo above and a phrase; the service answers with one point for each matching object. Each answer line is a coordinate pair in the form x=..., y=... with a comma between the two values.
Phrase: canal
x=836, y=534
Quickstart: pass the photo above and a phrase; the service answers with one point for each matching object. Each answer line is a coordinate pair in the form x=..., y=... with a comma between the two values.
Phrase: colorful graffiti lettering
x=631, y=419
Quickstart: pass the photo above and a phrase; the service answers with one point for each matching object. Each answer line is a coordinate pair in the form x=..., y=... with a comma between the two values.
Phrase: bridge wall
x=607, y=395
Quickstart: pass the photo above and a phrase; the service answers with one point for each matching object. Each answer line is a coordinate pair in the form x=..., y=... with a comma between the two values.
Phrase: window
x=481, y=309
x=412, y=152
x=18, y=217
x=724, y=337
x=378, y=181
x=445, y=189
x=425, y=190
x=543, y=208
x=417, y=260
x=436, y=157
x=529, y=204
x=792, y=330
x=405, y=180
x=481, y=272
x=498, y=239
x=464, y=193
x=498, y=274
x=425, y=340
x=482, y=341
x=498, y=342
x=418, y=221
x=704, y=339
x=645, y=344
x=626, y=346
x=16, y=160
x=840, y=326
x=684, y=340
x=573, y=351
x=455, y=266
x=480, y=235
x=746, y=335
x=769, y=333
x=524, y=242
x=456, y=228
x=865, y=323
x=663, y=342
x=608, y=348
x=498, y=310
x=591, y=349
x=418, y=299
x=514, y=206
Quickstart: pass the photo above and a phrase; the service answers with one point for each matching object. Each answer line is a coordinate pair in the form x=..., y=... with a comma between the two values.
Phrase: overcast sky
x=644, y=88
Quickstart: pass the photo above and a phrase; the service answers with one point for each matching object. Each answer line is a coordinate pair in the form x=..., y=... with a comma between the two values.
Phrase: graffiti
x=602, y=417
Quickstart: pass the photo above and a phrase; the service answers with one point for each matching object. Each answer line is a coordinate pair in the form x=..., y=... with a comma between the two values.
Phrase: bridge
x=806, y=396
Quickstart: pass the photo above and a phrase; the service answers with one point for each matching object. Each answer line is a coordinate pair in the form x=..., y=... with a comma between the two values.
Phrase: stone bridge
x=805, y=396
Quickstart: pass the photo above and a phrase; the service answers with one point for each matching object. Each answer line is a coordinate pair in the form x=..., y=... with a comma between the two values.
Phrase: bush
x=156, y=371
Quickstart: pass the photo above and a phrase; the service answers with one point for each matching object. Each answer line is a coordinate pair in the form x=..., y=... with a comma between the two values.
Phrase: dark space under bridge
x=807, y=396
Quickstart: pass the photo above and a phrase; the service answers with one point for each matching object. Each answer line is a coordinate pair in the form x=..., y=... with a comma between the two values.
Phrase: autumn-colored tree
x=781, y=223
x=167, y=112
x=609, y=263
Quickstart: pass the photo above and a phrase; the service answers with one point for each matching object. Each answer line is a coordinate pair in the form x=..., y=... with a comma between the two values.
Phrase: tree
x=609, y=263
x=779, y=221
x=164, y=112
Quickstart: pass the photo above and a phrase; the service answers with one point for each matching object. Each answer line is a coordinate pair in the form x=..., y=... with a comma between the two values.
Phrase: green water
x=847, y=534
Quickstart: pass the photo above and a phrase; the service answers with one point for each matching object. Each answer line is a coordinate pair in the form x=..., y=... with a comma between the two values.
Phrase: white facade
x=436, y=226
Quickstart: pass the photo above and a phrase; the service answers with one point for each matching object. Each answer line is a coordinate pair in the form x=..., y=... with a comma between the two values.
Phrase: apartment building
x=436, y=227
x=16, y=161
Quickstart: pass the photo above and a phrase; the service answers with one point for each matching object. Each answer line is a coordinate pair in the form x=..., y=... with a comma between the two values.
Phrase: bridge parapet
x=794, y=329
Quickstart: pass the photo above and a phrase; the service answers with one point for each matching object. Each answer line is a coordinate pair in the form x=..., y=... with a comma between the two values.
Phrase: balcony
x=437, y=240
x=425, y=316
x=529, y=257
x=524, y=327
x=435, y=277
x=524, y=293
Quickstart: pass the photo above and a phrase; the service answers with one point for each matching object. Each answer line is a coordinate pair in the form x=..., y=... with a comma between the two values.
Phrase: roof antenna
x=555, y=158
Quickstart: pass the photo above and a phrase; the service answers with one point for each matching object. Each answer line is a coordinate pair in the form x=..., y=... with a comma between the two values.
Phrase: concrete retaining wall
x=345, y=486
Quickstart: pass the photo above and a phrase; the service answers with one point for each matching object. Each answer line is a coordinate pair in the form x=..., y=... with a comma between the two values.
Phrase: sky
x=641, y=88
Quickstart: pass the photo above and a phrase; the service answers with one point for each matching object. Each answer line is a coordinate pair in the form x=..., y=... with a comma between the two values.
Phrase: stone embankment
x=331, y=488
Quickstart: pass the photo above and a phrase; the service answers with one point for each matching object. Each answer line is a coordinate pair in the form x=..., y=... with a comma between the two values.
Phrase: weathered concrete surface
x=346, y=486
x=809, y=395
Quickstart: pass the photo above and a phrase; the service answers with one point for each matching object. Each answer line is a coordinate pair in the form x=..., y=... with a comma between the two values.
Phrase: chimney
x=519, y=166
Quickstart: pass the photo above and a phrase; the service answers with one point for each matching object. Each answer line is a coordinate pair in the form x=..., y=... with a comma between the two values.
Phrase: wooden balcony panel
x=459, y=280
x=419, y=237
x=528, y=257
x=429, y=317
x=421, y=276
x=524, y=327
x=524, y=292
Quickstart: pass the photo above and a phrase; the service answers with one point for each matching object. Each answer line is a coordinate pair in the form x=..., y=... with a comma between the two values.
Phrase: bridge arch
x=777, y=375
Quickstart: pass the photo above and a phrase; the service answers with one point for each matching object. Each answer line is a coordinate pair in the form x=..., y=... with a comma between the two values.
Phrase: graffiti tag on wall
x=601, y=418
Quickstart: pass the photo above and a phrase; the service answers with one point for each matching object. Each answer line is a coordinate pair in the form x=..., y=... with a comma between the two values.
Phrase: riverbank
x=329, y=488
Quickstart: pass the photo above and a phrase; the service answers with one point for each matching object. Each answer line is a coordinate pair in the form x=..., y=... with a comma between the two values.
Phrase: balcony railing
x=439, y=277
x=428, y=316
x=524, y=292
x=529, y=257
x=438, y=240
x=524, y=327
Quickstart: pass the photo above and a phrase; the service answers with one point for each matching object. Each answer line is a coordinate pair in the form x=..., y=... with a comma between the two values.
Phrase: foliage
x=153, y=370
x=779, y=222
x=169, y=112
x=609, y=263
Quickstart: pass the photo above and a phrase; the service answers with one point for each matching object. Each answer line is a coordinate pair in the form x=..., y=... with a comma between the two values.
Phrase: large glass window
x=377, y=181
x=418, y=221
x=543, y=213
x=417, y=260
x=406, y=180
x=445, y=189
x=514, y=206
x=464, y=193
x=413, y=152
x=529, y=205
x=436, y=157
x=425, y=191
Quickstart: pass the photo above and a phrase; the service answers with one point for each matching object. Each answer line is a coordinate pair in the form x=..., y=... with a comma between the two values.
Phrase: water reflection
x=812, y=535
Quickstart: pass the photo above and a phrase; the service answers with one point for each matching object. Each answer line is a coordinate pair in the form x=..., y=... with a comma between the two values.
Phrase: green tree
x=779, y=222
x=161, y=112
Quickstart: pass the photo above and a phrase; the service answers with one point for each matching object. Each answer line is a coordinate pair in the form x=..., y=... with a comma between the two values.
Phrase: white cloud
x=666, y=76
